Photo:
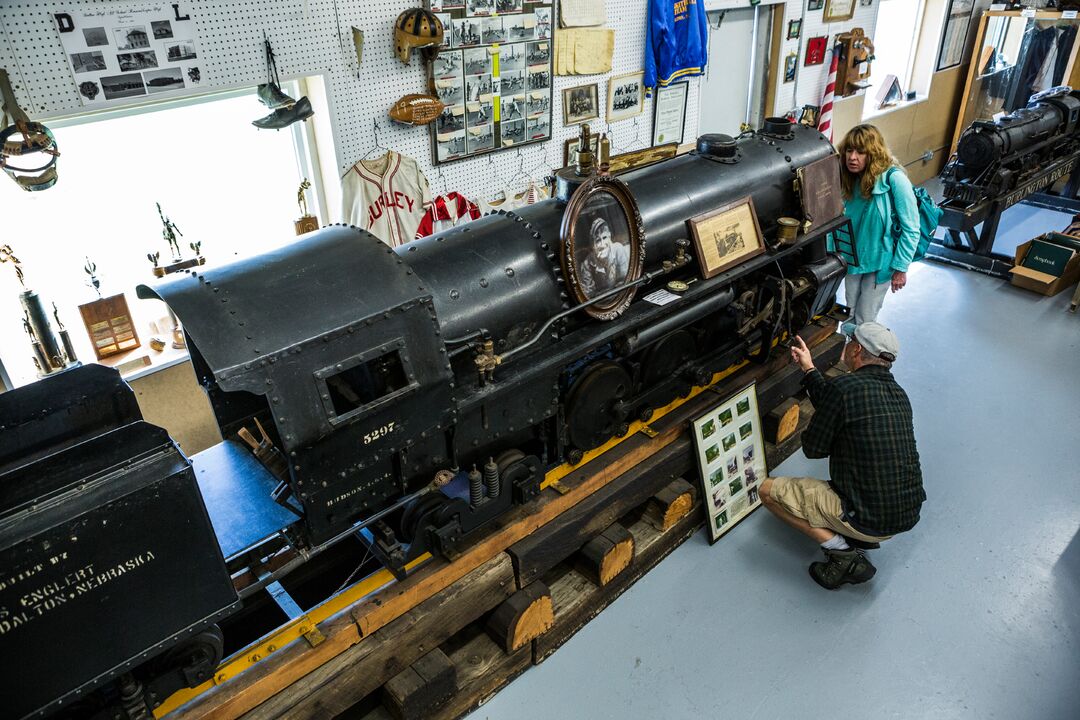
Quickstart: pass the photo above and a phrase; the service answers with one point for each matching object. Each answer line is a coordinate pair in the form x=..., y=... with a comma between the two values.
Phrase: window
x=223, y=182
x=896, y=41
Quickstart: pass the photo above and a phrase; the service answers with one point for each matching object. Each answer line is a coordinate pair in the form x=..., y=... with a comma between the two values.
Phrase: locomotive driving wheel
x=595, y=406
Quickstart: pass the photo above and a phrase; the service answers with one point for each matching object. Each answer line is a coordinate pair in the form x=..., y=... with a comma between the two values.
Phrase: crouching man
x=862, y=423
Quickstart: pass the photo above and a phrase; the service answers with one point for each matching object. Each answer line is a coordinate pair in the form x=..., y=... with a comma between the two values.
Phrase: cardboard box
x=1041, y=282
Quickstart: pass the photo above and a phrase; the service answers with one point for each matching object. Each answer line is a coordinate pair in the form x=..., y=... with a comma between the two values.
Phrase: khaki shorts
x=815, y=502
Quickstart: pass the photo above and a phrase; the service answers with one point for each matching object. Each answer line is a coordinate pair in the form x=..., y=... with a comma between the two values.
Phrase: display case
x=1016, y=54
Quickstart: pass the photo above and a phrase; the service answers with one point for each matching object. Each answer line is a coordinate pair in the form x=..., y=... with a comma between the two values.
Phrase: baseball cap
x=876, y=339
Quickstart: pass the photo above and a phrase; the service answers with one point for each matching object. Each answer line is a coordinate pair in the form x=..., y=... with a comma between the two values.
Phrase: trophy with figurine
x=169, y=232
x=49, y=355
x=307, y=221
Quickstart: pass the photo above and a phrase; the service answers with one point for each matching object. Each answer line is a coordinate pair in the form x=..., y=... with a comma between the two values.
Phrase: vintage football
x=416, y=109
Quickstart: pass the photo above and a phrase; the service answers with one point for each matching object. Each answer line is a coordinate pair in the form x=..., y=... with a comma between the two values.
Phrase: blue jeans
x=865, y=296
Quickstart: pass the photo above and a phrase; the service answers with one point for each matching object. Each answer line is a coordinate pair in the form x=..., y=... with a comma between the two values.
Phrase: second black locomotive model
x=407, y=395
x=995, y=158
x=1002, y=162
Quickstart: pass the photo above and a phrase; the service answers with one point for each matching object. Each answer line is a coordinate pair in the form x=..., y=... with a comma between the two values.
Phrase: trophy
x=107, y=319
x=169, y=232
x=49, y=356
x=307, y=221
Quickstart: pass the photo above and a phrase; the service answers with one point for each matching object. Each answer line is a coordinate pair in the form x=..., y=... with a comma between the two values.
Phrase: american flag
x=825, y=118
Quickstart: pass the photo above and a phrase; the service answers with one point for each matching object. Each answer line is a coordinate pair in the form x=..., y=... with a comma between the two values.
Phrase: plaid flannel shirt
x=862, y=422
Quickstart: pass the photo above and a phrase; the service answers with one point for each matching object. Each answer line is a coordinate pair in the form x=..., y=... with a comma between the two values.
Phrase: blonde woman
x=879, y=199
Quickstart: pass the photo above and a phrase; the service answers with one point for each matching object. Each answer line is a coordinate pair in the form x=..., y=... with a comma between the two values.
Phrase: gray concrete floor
x=973, y=614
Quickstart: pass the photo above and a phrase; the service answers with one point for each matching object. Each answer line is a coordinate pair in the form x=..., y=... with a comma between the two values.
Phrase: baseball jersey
x=676, y=41
x=387, y=197
x=445, y=212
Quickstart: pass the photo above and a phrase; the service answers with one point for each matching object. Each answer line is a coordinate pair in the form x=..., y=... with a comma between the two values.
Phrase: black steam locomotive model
x=405, y=396
x=995, y=158
x=1000, y=163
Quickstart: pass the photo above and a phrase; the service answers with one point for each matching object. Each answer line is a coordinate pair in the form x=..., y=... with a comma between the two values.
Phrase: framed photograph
x=494, y=75
x=815, y=4
x=580, y=104
x=731, y=470
x=791, y=64
x=838, y=10
x=669, y=113
x=954, y=35
x=726, y=237
x=626, y=96
x=601, y=246
x=815, y=50
x=794, y=29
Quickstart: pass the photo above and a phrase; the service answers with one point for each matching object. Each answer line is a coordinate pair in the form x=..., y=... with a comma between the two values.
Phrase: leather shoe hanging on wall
x=283, y=117
x=286, y=110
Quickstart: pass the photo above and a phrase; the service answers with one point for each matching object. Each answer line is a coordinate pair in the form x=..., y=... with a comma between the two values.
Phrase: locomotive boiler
x=405, y=396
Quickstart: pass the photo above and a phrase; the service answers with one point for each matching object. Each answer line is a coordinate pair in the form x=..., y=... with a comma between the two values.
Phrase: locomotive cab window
x=365, y=383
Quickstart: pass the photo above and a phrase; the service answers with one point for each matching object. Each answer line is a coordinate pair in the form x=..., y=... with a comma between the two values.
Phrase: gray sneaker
x=842, y=566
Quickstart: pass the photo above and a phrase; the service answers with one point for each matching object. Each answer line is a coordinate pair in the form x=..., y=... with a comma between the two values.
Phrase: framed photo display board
x=731, y=457
x=669, y=113
x=493, y=74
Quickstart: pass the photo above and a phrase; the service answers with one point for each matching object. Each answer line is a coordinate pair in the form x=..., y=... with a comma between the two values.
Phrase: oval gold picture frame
x=603, y=245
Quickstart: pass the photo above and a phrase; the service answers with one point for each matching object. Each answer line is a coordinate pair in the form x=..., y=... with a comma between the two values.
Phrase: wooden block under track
x=670, y=505
x=420, y=689
x=778, y=453
x=780, y=422
x=606, y=555
x=576, y=600
x=522, y=617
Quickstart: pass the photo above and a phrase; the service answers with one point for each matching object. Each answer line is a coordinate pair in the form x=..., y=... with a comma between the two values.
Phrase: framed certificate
x=669, y=113
x=837, y=10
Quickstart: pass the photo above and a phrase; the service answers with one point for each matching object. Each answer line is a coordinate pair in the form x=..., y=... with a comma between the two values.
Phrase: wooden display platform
x=557, y=561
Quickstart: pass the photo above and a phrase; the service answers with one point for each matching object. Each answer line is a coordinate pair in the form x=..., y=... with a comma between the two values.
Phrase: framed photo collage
x=493, y=74
x=731, y=457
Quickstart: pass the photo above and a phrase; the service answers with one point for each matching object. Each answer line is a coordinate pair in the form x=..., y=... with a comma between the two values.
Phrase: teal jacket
x=871, y=219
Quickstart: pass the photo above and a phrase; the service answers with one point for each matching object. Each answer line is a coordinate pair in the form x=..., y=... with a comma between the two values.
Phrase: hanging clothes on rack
x=387, y=196
x=445, y=212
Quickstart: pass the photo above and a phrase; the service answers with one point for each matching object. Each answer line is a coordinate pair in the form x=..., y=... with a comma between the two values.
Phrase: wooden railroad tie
x=606, y=555
x=670, y=505
x=780, y=422
x=523, y=617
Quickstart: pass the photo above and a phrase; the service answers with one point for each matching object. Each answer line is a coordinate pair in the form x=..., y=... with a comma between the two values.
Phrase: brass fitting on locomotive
x=486, y=361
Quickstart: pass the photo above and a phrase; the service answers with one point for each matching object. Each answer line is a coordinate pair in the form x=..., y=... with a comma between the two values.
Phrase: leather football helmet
x=417, y=28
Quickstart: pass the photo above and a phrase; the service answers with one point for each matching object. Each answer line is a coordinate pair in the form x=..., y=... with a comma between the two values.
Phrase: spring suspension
x=476, y=487
x=491, y=478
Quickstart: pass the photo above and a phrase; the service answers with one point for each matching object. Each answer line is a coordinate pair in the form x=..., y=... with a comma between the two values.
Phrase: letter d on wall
x=64, y=22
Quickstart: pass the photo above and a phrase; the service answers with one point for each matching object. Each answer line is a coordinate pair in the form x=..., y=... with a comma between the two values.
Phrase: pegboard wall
x=809, y=84
x=314, y=37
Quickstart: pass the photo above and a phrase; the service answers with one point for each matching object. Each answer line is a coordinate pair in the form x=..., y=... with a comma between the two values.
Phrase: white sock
x=836, y=542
